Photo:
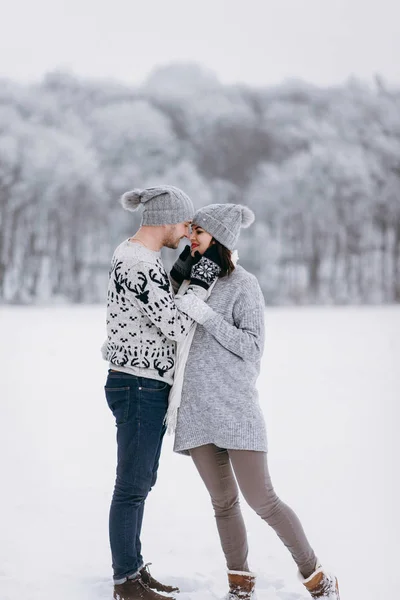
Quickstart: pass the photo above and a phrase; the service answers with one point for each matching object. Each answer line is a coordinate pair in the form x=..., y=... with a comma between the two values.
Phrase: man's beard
x=172, y=242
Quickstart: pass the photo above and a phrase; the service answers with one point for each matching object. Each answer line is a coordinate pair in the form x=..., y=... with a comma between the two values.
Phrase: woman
x=220, y=423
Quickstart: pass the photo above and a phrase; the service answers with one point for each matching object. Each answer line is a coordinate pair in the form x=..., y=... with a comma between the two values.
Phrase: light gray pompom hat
x=162, y=205
x=224, y=221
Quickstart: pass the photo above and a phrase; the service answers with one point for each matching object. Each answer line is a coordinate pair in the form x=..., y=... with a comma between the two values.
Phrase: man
x=143, y=327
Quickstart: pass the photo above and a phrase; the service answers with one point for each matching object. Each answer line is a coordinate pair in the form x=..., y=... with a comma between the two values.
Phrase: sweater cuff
x=194, y=307
x=103, y=349
x=175, y=284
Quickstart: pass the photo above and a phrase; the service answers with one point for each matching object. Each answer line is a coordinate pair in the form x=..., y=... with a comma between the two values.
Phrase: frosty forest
x=320, y=167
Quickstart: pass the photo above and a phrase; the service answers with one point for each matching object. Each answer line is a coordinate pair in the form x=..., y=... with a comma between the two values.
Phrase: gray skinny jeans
x=251, y=469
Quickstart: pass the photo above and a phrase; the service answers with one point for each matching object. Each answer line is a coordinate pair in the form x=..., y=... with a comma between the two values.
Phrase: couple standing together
x=184, y=352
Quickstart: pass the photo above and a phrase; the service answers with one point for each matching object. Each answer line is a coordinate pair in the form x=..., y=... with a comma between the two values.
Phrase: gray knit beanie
x=163, y=205
x=223, y=221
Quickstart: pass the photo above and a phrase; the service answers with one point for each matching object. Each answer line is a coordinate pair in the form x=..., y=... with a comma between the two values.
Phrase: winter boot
x=241, y=585
x=152, y=583
x=321, y=584
x=135, y=589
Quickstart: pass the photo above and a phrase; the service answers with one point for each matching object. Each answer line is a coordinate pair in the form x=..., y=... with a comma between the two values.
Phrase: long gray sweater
x=219, y=402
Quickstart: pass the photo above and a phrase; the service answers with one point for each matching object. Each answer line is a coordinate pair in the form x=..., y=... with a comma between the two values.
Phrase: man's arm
x=148, y=288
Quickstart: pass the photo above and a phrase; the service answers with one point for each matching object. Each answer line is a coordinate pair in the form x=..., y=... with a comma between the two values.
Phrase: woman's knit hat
x=223, y=221
x=163, y=205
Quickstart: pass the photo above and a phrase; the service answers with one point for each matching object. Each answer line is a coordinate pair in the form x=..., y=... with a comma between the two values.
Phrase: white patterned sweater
x=143, y=322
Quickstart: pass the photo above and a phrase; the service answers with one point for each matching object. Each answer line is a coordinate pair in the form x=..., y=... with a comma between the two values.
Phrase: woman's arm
x=246, y=337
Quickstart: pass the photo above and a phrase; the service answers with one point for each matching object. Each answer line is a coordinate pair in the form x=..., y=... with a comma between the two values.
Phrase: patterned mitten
x=208, y=268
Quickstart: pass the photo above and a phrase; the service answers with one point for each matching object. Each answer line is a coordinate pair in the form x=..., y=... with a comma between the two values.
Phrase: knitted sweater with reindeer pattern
x=143, y=322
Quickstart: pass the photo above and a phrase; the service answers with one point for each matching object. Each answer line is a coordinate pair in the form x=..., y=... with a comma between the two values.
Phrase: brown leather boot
x=135, y=589
x=152, y=583
x=321, y=584
x=241, y=585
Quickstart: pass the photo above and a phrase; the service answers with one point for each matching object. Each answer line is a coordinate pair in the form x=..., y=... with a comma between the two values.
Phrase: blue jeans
x=139, y=406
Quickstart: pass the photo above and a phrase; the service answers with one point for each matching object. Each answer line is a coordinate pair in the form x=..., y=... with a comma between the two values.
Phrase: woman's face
x=200, y=240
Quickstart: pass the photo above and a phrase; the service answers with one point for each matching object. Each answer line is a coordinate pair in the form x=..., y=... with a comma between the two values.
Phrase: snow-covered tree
x=320, y=168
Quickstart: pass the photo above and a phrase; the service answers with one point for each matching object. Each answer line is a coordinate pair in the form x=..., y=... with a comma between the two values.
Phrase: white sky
x=253, y=41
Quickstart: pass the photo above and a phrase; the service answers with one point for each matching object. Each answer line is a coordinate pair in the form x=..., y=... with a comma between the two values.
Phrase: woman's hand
x=207, y=269
x=182, y=266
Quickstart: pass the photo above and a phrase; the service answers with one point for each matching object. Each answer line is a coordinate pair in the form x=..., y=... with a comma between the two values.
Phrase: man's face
x=174, y=234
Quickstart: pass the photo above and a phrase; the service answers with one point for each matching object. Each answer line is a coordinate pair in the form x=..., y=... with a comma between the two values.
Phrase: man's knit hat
x=223, y=221
x=163, y=205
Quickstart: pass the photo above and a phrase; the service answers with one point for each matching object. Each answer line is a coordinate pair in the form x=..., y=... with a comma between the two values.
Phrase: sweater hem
x=235, y=436
x=185, y=449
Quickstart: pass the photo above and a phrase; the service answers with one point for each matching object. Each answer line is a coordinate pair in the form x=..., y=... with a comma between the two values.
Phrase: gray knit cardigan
x=219, y=402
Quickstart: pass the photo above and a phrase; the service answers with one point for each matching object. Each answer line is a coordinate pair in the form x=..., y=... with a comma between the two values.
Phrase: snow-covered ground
x=330, y=387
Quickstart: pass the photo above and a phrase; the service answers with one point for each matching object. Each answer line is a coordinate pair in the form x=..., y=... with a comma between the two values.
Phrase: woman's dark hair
x=225, y=255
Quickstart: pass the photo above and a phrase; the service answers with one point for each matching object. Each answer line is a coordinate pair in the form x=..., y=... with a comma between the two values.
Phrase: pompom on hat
x=163, y=205
x=224, y=221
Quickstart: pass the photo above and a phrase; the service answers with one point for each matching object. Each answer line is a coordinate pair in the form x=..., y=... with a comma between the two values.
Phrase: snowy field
x=329, y=387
